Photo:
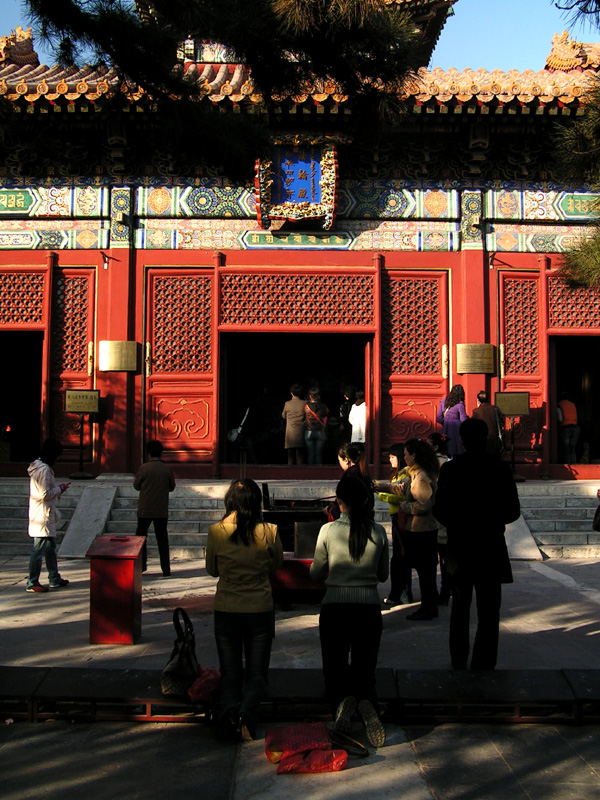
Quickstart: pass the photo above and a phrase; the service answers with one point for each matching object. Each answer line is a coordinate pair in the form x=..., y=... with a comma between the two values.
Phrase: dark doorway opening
x=577, y=372
x=257, y=370
x=21, y=396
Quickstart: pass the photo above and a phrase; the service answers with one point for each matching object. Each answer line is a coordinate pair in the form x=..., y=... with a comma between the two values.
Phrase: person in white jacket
x=43, y=494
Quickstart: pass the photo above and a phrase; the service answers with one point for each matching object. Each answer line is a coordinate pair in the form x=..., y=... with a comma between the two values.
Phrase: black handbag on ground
x=182, y=668
x=596, y=522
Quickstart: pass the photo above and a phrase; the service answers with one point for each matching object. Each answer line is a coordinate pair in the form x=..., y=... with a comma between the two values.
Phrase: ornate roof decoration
x=17, y=48
x=230, y=85
x=498, y=87
x=567, y=54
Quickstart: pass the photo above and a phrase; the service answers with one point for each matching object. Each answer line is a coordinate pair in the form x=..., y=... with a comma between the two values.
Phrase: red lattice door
x=180, y=363
x=414, y=352
x=523, y=356
x=71, y=355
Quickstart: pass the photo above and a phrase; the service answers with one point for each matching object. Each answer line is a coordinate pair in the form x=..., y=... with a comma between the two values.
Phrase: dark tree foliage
x=578, y=161
x=364, y=45
x=368, y=48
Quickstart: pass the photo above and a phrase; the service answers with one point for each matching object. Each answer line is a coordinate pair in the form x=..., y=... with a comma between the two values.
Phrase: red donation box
x=115, y=589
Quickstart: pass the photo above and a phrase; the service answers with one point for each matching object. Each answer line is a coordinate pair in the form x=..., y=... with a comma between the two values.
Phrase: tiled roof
x=231, y=84
x=567, y=54
x=17, y=48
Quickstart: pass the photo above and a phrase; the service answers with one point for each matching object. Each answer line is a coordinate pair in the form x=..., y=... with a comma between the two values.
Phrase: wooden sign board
x=512, y=404
x=82, y=401
x=476, y=359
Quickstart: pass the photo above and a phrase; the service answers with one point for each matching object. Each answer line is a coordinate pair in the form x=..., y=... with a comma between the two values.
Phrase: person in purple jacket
x=451, y=412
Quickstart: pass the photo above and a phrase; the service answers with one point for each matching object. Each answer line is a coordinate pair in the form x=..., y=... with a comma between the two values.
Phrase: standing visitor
x=438, y=442
x=358, y=418
x=351, y=557
x=392, y=493
x=476, y=498
x=242, y=551
x=293, y=414
x=315, y=420
x=421, y=526
x=568, y=427
x=43, y=516
x=491, y=416
x=352, y=459
x=345, y=407
x=154, y=481
x=451, y=412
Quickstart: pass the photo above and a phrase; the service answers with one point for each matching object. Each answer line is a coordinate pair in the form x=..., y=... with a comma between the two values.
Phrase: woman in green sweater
x=242, y=551
x=352, y=557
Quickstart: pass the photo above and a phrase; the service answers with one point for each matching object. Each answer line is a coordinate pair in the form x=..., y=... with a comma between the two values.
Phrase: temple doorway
x=257, y=370
x=576, y=362
x=21, y=396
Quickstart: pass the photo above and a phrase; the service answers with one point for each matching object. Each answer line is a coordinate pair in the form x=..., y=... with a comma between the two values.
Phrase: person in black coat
x=476, y=497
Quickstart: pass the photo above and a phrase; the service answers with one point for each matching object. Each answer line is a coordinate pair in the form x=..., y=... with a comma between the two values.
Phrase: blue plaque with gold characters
x=299, y=180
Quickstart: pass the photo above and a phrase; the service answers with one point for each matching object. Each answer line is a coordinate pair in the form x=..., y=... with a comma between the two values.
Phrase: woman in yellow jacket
x=242, y=551
x=421, y=526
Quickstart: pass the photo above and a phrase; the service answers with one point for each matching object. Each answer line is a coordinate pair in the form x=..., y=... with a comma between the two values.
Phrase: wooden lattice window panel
x=70, y=314
x=182, y=324
x=521, y=317
x=306, y=300
x=412, y=327
x=22, y=296
x=573, y=308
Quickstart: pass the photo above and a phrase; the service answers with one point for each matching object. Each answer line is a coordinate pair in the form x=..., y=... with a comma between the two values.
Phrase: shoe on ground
x=373, y=725
x=228, y=728
x=62, y=582
x=391, y=601
x=37, y=588
x=422, y=614
x=247, y=729
x=343, y=715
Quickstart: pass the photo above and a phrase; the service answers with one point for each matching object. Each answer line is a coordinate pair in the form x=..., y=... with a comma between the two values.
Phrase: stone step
x=559, y=526
x=175, y=514
x=570, y=551
x=567, y=538
x=127, y=528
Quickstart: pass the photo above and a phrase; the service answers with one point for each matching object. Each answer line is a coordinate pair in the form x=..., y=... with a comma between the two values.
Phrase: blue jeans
x=43, y=547
x=250, y=634
x=314, y=445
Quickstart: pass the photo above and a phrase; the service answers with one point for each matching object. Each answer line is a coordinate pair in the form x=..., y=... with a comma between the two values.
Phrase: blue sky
x=493, y=34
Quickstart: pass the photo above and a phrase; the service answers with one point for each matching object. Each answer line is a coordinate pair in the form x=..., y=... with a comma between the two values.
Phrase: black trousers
x=350, y=636
x=488, y=598
x=421, y=549
x=400, y=568
x=162, y=540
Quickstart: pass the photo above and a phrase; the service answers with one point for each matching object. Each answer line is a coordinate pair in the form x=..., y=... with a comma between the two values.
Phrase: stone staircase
x=559, y=515
x=14, y=509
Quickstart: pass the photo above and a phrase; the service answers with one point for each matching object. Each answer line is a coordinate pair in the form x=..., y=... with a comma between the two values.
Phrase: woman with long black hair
x=242, y=551
x=352, y=557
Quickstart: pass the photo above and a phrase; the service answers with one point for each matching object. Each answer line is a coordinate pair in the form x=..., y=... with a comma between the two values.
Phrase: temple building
x=174, y=298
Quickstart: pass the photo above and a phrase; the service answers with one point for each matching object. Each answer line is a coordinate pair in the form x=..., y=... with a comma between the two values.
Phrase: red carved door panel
x=523, y=358
x=180, y=363
x=414, y=352
x=71, y=355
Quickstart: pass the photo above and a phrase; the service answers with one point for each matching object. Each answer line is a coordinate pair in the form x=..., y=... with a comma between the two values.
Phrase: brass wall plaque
x=82, y=401
x=117, y=356
x=475, y=358
x=512, y=404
